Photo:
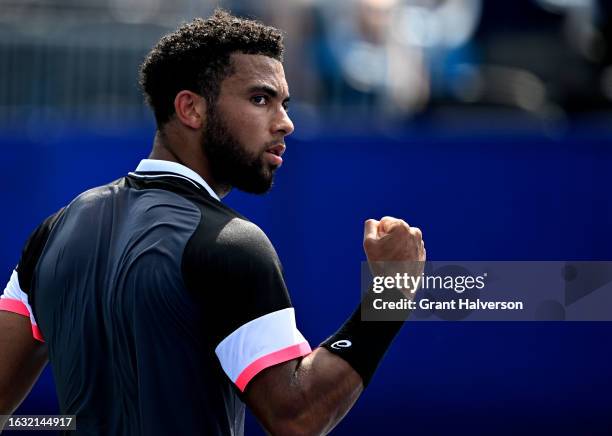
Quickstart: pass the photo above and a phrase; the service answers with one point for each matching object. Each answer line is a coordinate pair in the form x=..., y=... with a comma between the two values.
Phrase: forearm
x=330, y=387
x=312, y=394
x=306, y=396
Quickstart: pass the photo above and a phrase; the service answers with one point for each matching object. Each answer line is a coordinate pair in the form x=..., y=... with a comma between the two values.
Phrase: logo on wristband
x=344, y=343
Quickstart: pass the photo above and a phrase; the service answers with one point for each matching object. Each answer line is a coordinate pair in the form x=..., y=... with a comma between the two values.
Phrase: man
x=163, y=311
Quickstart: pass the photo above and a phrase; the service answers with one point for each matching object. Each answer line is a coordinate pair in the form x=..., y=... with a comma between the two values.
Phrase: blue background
x=481, y=196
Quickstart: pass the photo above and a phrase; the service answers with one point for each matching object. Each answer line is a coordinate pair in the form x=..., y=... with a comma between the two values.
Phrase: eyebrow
x=268, y=90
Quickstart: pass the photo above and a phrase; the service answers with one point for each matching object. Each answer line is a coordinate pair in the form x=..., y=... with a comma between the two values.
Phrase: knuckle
x=415, y=231
x=403, y=228
x=388, y=221
x=403, y=223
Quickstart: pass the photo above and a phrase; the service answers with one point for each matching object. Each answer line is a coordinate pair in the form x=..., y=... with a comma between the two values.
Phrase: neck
x=165, y=148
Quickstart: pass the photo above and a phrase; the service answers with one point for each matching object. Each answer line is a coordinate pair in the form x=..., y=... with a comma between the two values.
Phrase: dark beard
x=230, y=164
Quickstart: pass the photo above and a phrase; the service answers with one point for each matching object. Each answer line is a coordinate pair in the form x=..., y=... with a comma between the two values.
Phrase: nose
x=283, y=123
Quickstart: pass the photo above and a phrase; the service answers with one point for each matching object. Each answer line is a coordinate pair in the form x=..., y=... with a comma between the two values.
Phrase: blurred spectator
x=393, y=59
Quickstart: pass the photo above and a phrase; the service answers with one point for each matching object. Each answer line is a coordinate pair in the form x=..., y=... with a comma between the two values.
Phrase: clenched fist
x=392, y=247
x=392, y=240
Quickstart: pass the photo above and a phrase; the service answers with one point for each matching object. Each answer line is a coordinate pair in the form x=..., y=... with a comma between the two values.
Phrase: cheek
x=250, y=130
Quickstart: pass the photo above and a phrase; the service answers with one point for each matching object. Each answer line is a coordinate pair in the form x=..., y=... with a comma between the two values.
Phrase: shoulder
x=93, y=195
x=229, y=246
x=34, y=247
x=222, y=230
x=244, y=236
x=38, y=238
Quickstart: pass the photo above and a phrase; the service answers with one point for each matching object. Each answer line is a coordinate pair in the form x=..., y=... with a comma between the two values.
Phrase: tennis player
x=162, y=310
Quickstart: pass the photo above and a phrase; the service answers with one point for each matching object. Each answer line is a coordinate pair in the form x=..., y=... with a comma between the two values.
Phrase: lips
x=278, y=149
x=274, y=154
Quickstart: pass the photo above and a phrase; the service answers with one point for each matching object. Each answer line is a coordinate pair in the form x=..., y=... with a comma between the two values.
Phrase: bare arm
x=304, y=396
x=22, y=359
x=310, y=395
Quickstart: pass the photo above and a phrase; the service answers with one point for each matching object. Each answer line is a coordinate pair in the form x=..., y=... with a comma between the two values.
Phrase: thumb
x=370, y=229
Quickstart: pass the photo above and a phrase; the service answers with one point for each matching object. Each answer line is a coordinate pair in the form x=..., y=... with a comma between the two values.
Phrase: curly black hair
x=196, y=57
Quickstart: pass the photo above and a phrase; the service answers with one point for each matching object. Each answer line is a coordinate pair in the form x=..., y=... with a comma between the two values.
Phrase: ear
x=190, y=109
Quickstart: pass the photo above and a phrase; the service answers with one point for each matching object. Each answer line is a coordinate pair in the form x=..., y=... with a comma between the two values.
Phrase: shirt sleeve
x=236, y=276
x=17, y=296
x=15, y=300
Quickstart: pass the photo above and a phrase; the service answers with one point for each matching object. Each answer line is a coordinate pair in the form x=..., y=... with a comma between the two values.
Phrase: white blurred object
x=364, y=65
x=446, y=24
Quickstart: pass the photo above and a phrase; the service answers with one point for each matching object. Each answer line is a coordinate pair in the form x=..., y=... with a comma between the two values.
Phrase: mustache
x=274, y=143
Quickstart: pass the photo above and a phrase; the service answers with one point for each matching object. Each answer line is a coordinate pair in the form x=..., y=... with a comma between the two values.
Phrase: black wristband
x=363, y=344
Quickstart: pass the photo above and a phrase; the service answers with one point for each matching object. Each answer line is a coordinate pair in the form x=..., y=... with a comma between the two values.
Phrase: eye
x=260, y=100
x=286, y=107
